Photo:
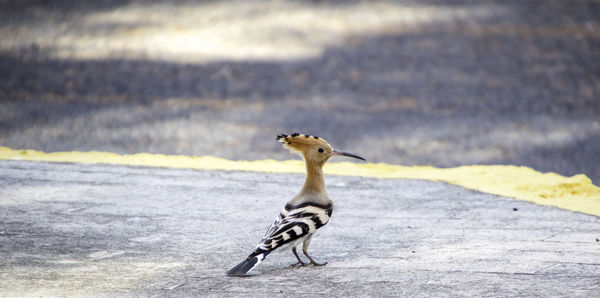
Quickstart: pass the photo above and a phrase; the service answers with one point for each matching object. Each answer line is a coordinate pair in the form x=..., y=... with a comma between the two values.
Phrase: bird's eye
x=321, y=150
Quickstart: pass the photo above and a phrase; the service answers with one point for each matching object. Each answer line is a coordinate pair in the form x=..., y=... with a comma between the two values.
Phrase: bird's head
x=312, y=148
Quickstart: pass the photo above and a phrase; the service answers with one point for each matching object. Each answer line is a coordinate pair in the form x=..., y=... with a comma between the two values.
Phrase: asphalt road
x=106, y=231
x=444, y=83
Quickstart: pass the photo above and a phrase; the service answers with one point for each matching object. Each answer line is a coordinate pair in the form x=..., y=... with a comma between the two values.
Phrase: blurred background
x=423, y=82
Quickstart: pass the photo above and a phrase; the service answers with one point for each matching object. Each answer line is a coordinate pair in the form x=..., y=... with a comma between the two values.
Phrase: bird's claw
x=302, y=264
x=299, y=264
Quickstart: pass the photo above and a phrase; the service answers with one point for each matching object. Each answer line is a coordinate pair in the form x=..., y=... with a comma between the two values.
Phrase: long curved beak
x=335, y=152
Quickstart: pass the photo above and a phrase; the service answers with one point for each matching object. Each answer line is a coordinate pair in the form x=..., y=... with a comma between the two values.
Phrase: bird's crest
x=298, y=141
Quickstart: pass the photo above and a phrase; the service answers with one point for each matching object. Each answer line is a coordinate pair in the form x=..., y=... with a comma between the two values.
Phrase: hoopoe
x=303, y=215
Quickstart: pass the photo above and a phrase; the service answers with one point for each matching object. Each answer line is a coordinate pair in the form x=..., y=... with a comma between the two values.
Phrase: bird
x=305, y=213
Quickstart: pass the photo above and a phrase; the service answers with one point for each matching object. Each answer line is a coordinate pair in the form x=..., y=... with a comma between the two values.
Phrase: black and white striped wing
x=294, y=223
x=276, y=223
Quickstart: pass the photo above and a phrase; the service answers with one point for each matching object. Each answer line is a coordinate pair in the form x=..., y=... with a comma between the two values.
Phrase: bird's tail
x=248, y=264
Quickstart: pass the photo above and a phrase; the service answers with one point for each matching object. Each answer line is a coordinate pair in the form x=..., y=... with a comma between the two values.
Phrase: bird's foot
x=318, y=264
x=299, y=264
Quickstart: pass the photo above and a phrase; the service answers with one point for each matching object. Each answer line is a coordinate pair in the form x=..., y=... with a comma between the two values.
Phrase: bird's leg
x=313, y=261
x=300, y=263
x=305, y=249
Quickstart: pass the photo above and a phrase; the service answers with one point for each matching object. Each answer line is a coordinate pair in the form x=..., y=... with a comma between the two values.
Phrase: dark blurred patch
x=444, y=95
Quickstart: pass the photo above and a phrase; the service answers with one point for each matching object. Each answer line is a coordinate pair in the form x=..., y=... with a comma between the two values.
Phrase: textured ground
x=411, y=82
x=101, y=230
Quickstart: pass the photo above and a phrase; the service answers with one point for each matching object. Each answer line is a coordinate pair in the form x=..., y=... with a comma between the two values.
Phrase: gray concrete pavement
x=103, y=230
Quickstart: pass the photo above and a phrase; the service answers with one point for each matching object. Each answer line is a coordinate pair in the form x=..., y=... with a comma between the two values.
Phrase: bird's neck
x=314, y=182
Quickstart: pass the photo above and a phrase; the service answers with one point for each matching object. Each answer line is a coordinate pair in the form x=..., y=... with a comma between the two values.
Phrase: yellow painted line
x=576, y=193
